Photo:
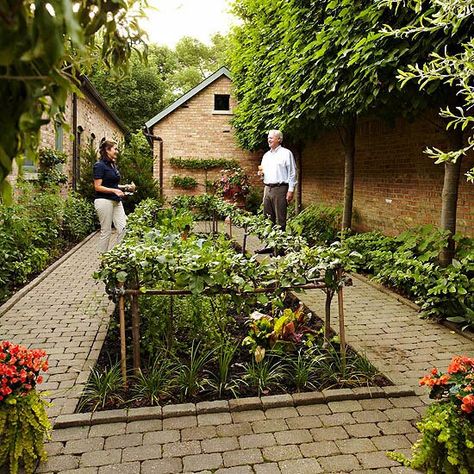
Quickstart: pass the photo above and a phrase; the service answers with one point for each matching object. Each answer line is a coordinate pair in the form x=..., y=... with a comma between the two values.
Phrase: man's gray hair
x=277, y=133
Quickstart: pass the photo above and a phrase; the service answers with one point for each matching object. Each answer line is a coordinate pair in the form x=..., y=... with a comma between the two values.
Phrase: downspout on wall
x=74, y=142
x=151, y=138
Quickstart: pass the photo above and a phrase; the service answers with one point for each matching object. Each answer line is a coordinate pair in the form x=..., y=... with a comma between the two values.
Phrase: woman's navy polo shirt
x=110, y=177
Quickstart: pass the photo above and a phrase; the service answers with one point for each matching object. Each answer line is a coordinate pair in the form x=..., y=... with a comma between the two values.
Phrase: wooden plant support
x=123, y=343
x=342, y=327
x=135, y=334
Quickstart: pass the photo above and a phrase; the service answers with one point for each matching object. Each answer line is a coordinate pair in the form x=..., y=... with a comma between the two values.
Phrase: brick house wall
x=195, y=130
x=396, y=185
x=94, y=119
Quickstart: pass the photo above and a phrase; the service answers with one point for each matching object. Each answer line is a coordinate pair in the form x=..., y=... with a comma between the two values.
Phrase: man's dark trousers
x=275, y=204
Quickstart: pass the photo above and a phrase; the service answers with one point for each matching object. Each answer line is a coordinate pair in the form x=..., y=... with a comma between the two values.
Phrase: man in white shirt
x=278, y=168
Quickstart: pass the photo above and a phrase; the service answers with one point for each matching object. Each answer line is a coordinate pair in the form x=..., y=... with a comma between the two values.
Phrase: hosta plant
x=447, y=442
x=24, y=424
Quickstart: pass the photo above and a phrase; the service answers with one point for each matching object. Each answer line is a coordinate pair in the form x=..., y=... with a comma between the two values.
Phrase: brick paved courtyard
x=67, y=313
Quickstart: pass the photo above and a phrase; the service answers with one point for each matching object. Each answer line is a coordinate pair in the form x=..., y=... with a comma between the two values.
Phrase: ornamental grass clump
x=447, y=442
x=24, y=424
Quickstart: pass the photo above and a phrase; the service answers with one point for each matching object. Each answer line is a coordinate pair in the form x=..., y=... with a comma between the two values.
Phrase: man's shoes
x=264, y=250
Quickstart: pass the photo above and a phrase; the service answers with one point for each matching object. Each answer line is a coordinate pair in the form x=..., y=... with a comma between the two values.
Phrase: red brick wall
x=396, y=185
x=195, y=131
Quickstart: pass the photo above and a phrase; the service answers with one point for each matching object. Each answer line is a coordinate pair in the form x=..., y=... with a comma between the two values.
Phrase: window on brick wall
x=221, y=102
x=58, y=136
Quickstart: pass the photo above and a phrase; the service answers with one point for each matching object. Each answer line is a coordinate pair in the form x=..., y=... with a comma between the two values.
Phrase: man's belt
x=275, y=185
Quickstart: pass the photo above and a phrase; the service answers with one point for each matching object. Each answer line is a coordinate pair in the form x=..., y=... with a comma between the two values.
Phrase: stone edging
x=235, y=405
x=19, y=294
x=407, y=302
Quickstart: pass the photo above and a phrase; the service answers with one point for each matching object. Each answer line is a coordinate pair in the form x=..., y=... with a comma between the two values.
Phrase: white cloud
x=174, y=19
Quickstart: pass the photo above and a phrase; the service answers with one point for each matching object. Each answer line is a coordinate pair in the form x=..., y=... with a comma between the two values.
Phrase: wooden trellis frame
x=133, y=294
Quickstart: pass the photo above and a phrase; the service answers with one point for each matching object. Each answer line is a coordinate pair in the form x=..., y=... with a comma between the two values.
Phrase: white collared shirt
x=279, y=166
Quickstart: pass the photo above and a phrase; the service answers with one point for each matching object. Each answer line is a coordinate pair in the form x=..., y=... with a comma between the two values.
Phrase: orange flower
x=468, y=404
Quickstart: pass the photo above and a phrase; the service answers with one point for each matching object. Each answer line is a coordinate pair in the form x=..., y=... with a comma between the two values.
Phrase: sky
x=174, y=19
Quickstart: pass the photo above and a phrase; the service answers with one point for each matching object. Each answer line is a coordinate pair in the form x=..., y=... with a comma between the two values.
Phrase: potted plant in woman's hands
x=447, y=442
x=24, y=424
x=233, y=185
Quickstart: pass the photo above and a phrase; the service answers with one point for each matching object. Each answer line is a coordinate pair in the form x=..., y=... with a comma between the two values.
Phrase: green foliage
x=254, y=199
x=301, y=370
x=446, y=445
x=264, y=376
x=50, y=167
x=136, y=165
x=409, y=263
x=203, y=163
x=103, y=387
x=184, y=182
x=156, y=383
x=317, y=223
x=44, y=47
x=220, y=380
x=190, y=378
x=34, y=229
x=450, y=66
x=85, y=185
x=24, y=426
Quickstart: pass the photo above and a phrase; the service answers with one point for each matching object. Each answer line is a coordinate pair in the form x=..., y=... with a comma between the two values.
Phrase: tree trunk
x=348, y=141
x=449, y=197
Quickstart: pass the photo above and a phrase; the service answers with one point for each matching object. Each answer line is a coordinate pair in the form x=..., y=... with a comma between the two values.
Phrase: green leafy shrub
x=79, y=218
x=184, y=182
x=318, y=224
x=50, y=167
x=203, y=164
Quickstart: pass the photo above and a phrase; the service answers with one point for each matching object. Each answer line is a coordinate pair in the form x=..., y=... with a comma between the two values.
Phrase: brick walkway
x=67, y=315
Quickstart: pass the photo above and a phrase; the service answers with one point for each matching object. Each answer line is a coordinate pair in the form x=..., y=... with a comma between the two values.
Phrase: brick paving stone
x=395, y=414
x=391, y=442
x=214, y=419
x=281, y=453
x=59, y=463
x=355, y=445
x=161, y=437
x=319, y=449
x=179, y=423
x=267, y=468
x=337, y=419
x=293, y=437
x=329, y=434
x=124, y=468
x=242, y=456
x=144, y=425
x=257, y=440
x=345, y=406
x=363, y=430
x=269, y=426
x=251, y=415
x=142, y=453
x=123, y=441
x=66, y=434
x=313, y=410
x=406, y=402
x=300, y=466
x=219, y=445
x=183, y=448
x=370, y=416
x=201, y=432
x=403, y=470
x=342, y=462
x=200, y=462
x=396, y=427
x=80, y=446
x=101, y=458
x=107, y=429
x=53, y=449
x=235, y=429
x=81, y=470
x=162, y=466
x=285, y=412
x=235, y=470
x=304, y=422
x=375, y=460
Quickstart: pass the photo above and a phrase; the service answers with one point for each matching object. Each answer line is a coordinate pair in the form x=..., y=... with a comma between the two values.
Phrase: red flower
x=468, y=404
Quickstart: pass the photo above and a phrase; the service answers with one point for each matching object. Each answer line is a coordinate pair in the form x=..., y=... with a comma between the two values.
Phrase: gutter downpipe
x=74, y=143
x=150, y=138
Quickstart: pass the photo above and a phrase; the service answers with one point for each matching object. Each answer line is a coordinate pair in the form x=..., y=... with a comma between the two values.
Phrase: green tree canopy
x=43, y=48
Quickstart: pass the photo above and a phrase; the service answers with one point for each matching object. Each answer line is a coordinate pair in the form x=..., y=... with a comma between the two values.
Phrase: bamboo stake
x=123, y=343
x=342, y=329
x=136, y=334
x=327, y=317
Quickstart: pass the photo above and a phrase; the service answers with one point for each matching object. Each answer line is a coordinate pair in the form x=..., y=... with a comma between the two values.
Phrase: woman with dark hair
x=108, y=195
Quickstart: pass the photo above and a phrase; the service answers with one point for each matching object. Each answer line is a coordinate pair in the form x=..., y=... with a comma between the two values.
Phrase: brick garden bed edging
x=234, y=405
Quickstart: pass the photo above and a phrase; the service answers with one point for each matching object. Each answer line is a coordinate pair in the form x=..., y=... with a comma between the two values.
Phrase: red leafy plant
x=233, y=184
x=19, y=370
x=456, y=386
